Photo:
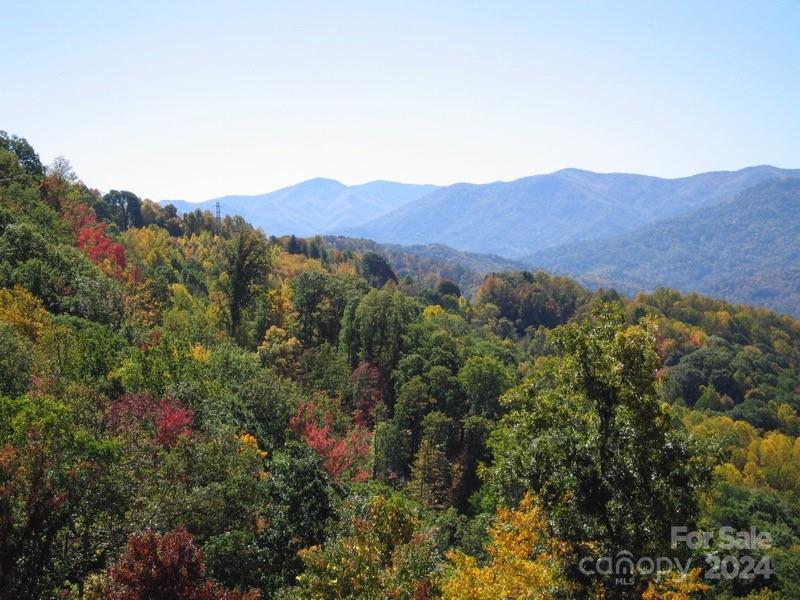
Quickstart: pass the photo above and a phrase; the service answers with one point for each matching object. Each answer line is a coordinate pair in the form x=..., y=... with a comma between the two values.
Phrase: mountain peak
x=319, y=181
x=316, y=185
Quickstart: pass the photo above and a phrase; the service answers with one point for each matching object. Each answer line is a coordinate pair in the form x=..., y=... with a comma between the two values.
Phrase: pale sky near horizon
x=202, y=99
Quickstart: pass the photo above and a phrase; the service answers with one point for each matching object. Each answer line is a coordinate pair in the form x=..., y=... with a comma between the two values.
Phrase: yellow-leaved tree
x=524, y=563
x=676, y=586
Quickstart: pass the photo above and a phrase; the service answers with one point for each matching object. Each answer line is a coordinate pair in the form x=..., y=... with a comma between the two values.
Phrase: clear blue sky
x=198, y=99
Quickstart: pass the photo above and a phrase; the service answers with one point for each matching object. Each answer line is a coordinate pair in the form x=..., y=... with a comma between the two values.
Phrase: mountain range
x=313, y=206
x=517, y=218
x=734, y=234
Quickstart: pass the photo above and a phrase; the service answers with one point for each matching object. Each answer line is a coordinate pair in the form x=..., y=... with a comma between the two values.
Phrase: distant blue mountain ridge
x=508, y=218
x=313, y=206
x=518, y=218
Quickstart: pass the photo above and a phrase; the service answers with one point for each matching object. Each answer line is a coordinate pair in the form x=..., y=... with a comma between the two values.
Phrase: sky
x=193, y=100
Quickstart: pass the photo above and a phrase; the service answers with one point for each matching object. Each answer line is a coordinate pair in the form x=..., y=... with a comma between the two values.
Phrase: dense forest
x=744, y=250
x=193, y=410
x=426, y=265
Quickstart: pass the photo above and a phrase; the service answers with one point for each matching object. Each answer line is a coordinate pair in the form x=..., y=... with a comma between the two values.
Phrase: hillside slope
x=746, y=250
x=467, y=269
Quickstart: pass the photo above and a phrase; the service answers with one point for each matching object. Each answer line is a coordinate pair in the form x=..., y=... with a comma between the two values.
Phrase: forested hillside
x=431, y=262
x=745, y=250
x=192, y=410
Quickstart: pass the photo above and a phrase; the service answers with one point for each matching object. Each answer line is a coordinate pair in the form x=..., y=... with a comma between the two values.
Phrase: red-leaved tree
x=172, y=421
x=341, y=454
x=368, y=390
x=165, y=567
x=91, y=237
x=167, y=418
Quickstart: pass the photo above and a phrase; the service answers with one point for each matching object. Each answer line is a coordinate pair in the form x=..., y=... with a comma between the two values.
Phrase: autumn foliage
x=166, y=417
x=676, y=586
x=165, y=567
x=524, y=563
x=190, y=408
x=367, y=392
x=91, y=237
x=341, y=453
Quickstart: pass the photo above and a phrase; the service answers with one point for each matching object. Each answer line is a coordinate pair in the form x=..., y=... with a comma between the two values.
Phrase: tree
x=122, y=208
x=413, y=403
x=56, y=484
x=247, y=264
x=245, y=506
x=590, y=438
x=446, y=389
x=431, y=475
x=475, y=431
x=376, y=270
x=166, y=419
x=392, y=448
x=26, y=155
x=377, y=552
x=299, y=509
x=524, y=563
x=342, y=454
x=709, y=399
x=165, y=567
x=374, y=329
x=448, y=288
x=367, y=392
x=58, y=182
x=484, y=379
x=15, y=362
x=10, y=172
x=676, y=586
x=76, y=350
x=319, y=300
x=532, y=299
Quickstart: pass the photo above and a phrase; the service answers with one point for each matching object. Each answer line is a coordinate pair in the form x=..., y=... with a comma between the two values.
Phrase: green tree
x=375, y=329
x=247, y=264
x=26, y=155
x=392, y=448
x=377, y=551
x=57, y=486
x=709, y=399
x=122, y=208
x=413, y=403
x=590, y=438
x=484, y=379
x=448, y=288
x=298, y=507
x=432, y=473
x=320, y=300
x=376, y=270
x=15, y=362
x=474, y=433
x=431, y=477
